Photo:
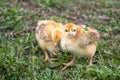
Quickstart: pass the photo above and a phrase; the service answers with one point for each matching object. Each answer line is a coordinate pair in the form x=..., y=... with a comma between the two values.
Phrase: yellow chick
x=48, y=35
x=80, y=41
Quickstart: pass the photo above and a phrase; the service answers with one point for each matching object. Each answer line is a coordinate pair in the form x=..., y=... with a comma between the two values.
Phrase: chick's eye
x=74, y=30
x=66, y=30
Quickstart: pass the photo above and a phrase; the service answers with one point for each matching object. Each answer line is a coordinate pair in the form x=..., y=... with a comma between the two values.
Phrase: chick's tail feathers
x=40, y=30
x=41, y=25
x=93, y=34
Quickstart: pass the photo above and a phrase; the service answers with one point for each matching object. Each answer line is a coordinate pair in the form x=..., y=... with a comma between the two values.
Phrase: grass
x=22, y=59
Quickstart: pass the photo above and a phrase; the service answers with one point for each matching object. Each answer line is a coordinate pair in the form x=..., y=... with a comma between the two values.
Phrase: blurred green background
x=22, y=59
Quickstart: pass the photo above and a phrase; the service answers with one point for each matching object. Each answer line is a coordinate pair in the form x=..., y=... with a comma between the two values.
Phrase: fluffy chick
x=48, y=35
x=79, y=41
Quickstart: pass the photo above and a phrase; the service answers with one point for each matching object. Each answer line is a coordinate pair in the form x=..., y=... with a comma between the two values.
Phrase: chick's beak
x=70, y=34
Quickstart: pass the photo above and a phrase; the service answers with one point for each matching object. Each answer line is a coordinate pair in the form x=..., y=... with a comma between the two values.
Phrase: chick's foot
x=53, y=54
x=68, y=64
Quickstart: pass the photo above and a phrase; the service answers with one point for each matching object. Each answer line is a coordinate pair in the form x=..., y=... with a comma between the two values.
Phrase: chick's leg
x=90, y=62
x=46, y=56
x=69, y=64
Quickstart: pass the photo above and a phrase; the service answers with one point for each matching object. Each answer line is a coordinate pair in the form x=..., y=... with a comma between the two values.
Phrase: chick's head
x=70, y=30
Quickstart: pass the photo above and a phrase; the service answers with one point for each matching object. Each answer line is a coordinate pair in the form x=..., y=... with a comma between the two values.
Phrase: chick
x=79, y=41
x=48, y=35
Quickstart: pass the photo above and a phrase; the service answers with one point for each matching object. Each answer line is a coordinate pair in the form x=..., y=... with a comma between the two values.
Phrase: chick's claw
x=50, y=60
x=89, y=66
x=53, y=54
x=68, y=64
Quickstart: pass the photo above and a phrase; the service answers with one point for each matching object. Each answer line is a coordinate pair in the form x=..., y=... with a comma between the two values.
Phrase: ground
x=22, y=59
